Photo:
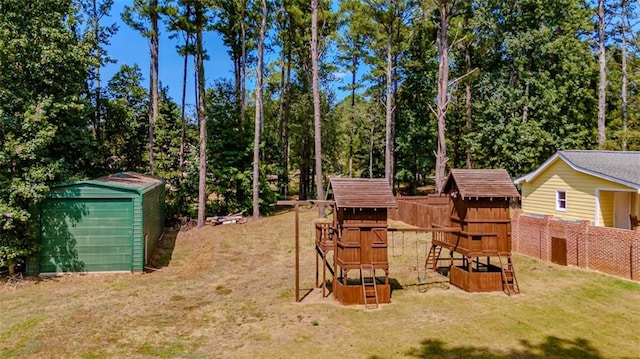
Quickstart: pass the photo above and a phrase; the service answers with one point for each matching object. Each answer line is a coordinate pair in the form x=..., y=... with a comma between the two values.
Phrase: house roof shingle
x=362, y=193
x=621, y=167
x=482, y=183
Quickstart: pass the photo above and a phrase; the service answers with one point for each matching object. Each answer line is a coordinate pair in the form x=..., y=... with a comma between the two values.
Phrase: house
x=109, y=224
x=602, y=187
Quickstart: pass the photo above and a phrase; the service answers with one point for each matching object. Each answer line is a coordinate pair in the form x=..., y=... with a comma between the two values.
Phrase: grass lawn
x=227, y=292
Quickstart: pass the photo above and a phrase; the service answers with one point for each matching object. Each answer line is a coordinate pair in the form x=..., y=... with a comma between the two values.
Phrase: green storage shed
x=110, y=224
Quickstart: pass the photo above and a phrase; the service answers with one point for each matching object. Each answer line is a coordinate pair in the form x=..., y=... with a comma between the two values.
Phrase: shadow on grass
x=163, y=250
x=395, y=284
x=552, y=347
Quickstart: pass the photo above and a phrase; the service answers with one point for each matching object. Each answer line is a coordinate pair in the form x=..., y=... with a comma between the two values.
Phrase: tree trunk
x=287, y=143
x=11, y=267
x=202, y=119
x=352, y=119
x=183, y=103
x=443, y=96
x=237, y=66
x=283, y=128
x=96, y=33
x=625, y=79
x=154, y=50
x=281, y=118
x=316, y=104
x=468, y=103
x=388, y=175
x=183, y=120
x=258, y=120
x=243, y=68
x=371, y=143
x=602, y=86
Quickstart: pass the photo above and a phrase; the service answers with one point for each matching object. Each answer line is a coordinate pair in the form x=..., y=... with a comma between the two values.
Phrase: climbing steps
x=509, y=281
x=433, y=257
x=369, y=289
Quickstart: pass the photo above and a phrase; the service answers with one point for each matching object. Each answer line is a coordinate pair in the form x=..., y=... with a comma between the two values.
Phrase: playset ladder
x=369, y=289
x=509, y=281
x=433, y=257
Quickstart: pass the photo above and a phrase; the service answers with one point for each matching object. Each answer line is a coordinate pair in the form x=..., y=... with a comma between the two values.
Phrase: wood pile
x=229, y=219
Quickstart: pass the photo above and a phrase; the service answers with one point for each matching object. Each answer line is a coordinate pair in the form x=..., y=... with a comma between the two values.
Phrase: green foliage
x=167, y=133
x=416, y=134
x=230, y=156
x=536, y=91
x=137, y=15
x=42, y=134
x=522, y=85
x=126, y=122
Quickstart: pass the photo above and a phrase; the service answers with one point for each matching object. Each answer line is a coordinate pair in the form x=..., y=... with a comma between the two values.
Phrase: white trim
x=613, y=189
x=531, y=175
x=558, y=208
x=627, y=211
x=596, y=220
x=597, y=206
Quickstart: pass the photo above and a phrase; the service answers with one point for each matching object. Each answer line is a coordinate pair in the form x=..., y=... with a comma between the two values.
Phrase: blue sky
x=128, y=47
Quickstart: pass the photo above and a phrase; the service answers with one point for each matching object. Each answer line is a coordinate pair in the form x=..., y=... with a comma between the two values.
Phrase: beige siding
x=606, y=209
x=539, y=196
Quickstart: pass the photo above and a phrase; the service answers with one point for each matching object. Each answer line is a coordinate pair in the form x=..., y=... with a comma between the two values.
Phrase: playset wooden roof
x=362, y=193
x=481, y=183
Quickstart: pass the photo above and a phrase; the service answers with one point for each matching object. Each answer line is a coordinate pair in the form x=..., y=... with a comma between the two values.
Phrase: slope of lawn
x=228, y=292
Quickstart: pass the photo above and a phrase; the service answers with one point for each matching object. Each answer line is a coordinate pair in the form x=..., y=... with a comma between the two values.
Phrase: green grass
x=227, y=292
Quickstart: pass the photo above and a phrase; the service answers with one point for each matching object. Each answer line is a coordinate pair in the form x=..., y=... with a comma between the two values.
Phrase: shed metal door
x=87, y=235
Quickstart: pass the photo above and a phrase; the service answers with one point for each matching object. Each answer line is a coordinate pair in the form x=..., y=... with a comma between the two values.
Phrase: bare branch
x=455, y=81
x=432, y=110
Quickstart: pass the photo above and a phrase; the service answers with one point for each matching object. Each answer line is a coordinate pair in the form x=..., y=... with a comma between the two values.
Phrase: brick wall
x=610, y=250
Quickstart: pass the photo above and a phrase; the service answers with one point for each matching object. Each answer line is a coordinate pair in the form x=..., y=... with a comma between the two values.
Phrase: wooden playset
x=479, y=209
x=352, y=245
x=359, y=229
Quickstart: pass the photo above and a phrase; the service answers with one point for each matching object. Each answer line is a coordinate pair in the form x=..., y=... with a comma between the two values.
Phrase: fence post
x=547, y=239
x=634, y=245
x=515, y=230
x=582, y=233
x=587, y=237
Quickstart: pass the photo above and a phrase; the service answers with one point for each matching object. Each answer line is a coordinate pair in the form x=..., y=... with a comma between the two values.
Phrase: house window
x=561, y=200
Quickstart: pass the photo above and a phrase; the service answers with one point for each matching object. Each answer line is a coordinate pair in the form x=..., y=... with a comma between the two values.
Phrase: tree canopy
x=482, y=84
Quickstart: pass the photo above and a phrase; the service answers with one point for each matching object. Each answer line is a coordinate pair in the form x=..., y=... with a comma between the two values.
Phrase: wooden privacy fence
x=609, y=250
x=422, y=211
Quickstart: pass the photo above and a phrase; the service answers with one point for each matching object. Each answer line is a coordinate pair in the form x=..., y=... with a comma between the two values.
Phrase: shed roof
x=362, y=193
x=622, y=167
x=131, y=181
x=481, y=183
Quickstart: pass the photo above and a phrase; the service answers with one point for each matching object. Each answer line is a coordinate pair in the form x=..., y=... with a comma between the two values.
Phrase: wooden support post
x=317, y=269
x=324, y=274
x=336, y=275
x=296, y=205
x=297, y=253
